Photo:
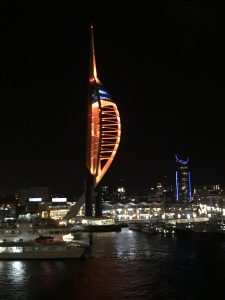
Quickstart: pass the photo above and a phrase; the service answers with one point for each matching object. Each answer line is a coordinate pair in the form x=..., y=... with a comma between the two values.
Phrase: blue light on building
x=183, y=180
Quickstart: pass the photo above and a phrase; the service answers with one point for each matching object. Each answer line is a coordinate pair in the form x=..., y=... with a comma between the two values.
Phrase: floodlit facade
x=104, y=131
x=103, y=138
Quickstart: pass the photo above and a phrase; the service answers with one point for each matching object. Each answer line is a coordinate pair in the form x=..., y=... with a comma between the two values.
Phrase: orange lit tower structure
x=103, y=133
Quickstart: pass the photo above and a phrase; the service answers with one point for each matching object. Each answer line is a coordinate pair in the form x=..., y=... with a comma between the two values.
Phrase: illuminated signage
x=56, y=200
x=35, y=199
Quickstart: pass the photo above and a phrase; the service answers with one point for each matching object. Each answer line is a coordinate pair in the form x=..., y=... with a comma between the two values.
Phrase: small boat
x=167, y=230
x=135, y=226
x=150, y=229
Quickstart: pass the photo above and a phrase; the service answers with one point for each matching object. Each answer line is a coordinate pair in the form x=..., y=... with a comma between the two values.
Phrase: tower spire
x=93, y=68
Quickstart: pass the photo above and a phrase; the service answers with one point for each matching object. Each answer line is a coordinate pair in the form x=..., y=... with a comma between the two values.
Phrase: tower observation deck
x=103, y=137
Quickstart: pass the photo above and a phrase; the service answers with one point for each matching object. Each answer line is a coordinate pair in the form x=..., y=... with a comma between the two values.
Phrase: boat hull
x=97, y=228
x=41, y=252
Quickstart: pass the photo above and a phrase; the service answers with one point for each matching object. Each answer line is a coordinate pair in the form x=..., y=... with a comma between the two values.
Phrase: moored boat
x=150, y=229
x=136, y=226
x=27, y=233
x=201, y=229
x=26, y=250
x=93, y=224
x=96, y=228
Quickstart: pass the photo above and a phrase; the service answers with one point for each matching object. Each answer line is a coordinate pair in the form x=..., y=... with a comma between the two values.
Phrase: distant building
x=121, y=193
x=183, y=181
x=209, y=194
x=33, y=195
x=160, y=192
x=159, y=189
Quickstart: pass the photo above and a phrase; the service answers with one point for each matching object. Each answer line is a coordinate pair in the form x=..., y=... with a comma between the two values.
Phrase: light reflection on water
x=13, y=270
x=17, y=271
x=129, y=245
x=13, y=275
x=122, y=265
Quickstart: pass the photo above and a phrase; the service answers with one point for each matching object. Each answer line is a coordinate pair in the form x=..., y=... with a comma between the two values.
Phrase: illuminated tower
x=103, y=133
x=183, y=181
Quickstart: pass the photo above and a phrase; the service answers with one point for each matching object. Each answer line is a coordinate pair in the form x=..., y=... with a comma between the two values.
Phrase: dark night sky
x=163, y=64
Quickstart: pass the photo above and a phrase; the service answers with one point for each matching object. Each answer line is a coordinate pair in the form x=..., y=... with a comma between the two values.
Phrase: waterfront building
x=29, y=200
x=137, y=210
x=183, y=180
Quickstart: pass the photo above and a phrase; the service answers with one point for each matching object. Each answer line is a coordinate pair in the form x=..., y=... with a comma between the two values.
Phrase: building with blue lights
x=183, y=180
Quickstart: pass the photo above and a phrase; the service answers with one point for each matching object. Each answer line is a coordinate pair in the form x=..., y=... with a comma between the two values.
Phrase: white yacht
x=26, y=233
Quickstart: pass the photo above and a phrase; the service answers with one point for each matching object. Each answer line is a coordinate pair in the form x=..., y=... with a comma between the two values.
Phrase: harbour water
x=123, y=265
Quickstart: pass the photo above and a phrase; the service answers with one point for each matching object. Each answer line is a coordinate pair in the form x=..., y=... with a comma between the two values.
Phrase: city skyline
x=164, y=65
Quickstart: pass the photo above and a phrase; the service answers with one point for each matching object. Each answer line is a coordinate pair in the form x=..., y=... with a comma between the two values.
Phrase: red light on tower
x=92, y=79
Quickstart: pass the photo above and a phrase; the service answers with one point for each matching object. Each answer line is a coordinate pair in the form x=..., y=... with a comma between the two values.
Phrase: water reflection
x=13, y=276
x=124, y=265
x=17, y=271
x=128, y=245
